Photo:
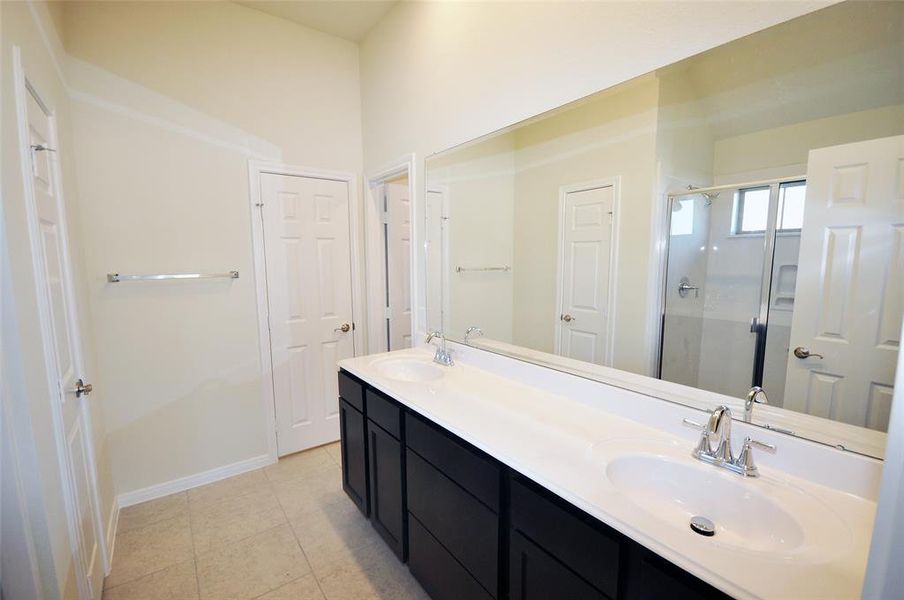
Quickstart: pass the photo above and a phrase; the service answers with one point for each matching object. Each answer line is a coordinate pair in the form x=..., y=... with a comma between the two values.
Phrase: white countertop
x=563, y=444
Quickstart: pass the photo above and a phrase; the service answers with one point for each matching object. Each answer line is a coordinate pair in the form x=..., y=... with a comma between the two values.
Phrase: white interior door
x=64, y=355
x=398, y=264
x=850, y=284
x=309, y=293
x=583, y=319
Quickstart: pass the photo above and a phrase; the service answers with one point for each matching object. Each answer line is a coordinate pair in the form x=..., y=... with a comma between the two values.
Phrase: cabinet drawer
x=351, y=390
x=568, y=534
x=385, y=412
x=353, y=445
x=534, y=573
x=441, y=575
x=463, y=525
x=471, y=470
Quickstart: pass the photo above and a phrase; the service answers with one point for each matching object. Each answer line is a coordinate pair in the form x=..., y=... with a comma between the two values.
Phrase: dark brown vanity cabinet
x=453, y=506
x=353, y=441
x=386, y=467
x=472, y=528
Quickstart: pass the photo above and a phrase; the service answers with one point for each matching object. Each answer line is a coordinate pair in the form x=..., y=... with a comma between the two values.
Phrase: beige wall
x=788, y=146
x=479, y=186
x=30, y=27
x=612, y=136
x=170, y=100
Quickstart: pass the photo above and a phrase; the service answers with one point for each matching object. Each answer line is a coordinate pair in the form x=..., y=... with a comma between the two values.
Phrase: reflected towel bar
x=466, y=269
x=116, y=277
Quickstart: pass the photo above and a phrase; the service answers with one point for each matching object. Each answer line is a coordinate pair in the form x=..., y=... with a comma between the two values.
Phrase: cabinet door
x=535, y=575
x=353, y=434
x=387, y=505
x=651, y=577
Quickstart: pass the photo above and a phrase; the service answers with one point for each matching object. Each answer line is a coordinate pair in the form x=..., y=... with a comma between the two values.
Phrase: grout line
x=140, y=577
x=298, y=542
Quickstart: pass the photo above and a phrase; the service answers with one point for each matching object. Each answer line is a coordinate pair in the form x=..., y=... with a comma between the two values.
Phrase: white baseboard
x=193, y=481
x=112, y=523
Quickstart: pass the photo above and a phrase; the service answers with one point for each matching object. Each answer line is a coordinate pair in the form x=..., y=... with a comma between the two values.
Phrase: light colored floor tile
x=305, y=588
x=147, y=513
x=335, y=452
x=372, y=571
x=317, y=489
x=299, y=465
x=218, y=491
x=151, y=548
x=177, y=582
x=333, y=533
x=235, y=518
x=251, y=567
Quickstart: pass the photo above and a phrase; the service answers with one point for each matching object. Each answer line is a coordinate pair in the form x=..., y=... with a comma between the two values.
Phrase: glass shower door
x=713, y=329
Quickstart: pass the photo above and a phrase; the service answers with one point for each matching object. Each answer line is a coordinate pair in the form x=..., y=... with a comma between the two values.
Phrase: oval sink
x=677, y=492
x=764, y=515
x=408, y=369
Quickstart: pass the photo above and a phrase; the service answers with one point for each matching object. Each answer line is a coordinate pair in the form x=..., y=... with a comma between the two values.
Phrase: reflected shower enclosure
x=730, y=286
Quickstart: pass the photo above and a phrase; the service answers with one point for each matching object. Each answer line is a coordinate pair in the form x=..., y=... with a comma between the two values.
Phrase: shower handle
x=684, y=286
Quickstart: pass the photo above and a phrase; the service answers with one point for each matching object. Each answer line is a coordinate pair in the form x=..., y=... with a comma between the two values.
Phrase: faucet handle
x=745, y=458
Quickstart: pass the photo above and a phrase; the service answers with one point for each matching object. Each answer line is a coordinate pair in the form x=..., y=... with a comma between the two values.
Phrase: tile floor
x=283, y=532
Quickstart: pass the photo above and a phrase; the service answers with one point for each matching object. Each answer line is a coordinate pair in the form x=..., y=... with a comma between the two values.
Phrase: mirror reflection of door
x=397, y=239
x=846, y=327
x=582, y=327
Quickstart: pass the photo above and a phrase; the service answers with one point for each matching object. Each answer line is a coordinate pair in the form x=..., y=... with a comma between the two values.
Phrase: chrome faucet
x=442, y=356
x=756, y=395
x=472, y=331
x=714, y=446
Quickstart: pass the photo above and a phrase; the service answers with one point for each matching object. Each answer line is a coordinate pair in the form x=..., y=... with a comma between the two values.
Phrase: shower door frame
x=759, y=324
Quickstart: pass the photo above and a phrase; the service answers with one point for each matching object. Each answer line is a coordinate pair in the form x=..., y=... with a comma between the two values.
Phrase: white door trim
x=373, y=250
x=22, y=87
x=615, y=184
x=256, y=168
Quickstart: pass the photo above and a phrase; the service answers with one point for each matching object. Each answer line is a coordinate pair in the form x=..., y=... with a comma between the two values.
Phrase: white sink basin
x=751, y=515
x=408, y=369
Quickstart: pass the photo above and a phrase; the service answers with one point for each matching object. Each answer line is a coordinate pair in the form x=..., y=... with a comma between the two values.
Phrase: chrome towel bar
x=469, y=269
x=117, y=277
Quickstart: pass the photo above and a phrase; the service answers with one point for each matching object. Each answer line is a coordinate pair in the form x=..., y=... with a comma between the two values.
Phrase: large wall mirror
x=732, y=220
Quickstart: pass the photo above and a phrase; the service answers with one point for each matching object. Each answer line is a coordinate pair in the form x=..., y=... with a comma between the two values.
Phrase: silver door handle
x=801, y=352
x=344, y=328
x=567, y=318
x=82, y=388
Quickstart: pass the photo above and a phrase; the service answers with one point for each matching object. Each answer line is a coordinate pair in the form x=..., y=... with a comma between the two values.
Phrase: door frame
x=256, y=168
x=612, y=287
x=22, y=87
x=373, y=253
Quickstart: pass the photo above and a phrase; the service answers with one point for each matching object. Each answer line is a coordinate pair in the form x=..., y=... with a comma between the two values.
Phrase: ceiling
x=348, y=19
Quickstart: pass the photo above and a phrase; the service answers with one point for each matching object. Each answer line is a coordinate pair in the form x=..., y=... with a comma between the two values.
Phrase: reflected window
x=682, y=217
x=751, y=208
x=791, y=197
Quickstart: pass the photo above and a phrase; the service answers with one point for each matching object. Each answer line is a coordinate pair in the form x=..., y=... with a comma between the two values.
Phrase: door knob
x=801, y=352
x=344, y=328
x=567, y=318
x=82, y=388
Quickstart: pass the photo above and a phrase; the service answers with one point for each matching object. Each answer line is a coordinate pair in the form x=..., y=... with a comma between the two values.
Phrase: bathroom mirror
x=732, y=220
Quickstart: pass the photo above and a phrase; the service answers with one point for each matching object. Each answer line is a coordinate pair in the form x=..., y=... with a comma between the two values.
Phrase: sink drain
x=703, y=526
